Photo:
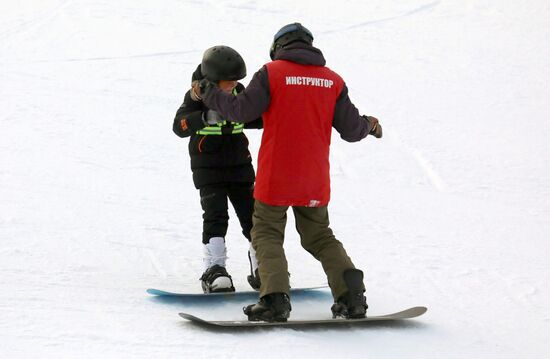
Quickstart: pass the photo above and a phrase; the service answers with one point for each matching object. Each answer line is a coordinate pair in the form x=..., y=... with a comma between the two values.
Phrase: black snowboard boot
x=353, y=304
x=216, y=279
x=274, y=307
x=254, y=280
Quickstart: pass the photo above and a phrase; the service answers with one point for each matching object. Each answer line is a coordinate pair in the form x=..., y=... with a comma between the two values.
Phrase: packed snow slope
x=450, y=209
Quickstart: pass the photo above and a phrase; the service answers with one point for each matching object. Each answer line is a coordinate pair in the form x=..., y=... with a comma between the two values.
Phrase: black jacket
x=255, y=99
x=214, y=158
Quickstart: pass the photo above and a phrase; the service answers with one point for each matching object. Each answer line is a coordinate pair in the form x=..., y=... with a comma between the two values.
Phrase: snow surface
x=451, y=209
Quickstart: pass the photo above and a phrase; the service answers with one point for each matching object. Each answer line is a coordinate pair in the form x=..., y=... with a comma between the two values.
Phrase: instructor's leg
x=267, y=239
x=317, y=238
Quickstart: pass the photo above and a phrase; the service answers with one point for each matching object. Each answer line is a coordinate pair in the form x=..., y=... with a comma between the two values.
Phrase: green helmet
x=222, y=63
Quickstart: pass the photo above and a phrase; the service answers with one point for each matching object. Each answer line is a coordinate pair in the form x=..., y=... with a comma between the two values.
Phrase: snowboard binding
x=274, y=307
x=353, y=304
x=216, y=280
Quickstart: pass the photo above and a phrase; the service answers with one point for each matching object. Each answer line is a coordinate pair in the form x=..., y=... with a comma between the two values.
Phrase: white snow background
x=451, y=209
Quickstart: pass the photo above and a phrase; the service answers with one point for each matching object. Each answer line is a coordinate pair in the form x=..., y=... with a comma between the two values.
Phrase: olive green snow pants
x=316, y=237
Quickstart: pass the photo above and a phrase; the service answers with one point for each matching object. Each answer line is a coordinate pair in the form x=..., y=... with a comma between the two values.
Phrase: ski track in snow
x=449, y=209
x=29, y=25
x=414, y=11
x=154, y=261
x=426, y=166
x=111, y=58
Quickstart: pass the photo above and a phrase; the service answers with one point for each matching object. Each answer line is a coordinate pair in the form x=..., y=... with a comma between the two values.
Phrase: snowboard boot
x=274, y=307
x=216, y=279
x=353, y=304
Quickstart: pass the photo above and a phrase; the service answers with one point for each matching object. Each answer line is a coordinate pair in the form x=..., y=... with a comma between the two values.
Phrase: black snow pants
x=214, y=204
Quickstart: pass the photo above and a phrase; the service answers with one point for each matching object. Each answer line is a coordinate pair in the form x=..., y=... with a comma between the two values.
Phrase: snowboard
x=404, y=314
x=249, y=294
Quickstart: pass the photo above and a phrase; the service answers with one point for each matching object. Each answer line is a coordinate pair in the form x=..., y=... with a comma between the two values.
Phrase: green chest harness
x=223, y=128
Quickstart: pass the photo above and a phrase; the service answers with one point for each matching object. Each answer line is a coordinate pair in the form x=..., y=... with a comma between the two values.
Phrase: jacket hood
x=197, y=74
x=301, y=53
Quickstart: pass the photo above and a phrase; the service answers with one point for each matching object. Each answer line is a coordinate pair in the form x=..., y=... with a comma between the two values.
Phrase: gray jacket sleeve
x=347, y=121
x=247, y=106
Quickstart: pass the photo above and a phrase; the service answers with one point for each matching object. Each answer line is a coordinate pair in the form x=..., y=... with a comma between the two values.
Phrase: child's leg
x=214, y=204
x=241, y=197
x=215, y=217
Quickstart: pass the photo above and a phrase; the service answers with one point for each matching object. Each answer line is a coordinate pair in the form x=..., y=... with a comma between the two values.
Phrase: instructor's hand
x=376, y=128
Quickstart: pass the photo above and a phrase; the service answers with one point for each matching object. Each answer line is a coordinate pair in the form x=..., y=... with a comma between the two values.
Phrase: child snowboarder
x=221, y=164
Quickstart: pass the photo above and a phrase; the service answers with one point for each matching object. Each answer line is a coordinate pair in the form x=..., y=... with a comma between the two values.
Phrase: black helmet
x=222, y=63
x=288, y=34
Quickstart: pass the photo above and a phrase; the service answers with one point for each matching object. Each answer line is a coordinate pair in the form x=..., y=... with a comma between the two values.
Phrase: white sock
x=253, y=259
x=214, y=252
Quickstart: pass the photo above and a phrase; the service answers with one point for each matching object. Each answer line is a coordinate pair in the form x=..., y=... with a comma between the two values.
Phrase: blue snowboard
x=316, y=291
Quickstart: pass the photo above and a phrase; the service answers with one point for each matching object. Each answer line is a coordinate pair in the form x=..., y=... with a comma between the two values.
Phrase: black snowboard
x=405, y=314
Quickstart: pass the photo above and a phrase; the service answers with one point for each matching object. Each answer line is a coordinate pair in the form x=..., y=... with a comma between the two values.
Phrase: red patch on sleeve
x=184, y=124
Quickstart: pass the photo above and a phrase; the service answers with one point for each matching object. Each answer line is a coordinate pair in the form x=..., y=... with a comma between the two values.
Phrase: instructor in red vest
x=300, y=101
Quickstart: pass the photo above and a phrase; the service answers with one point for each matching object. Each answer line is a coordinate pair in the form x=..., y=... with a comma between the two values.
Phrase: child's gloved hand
x=211, y=117
x=202, y=87
x=194, y=93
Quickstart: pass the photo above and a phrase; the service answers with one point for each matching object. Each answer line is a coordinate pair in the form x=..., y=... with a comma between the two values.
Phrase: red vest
x=293, y=162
